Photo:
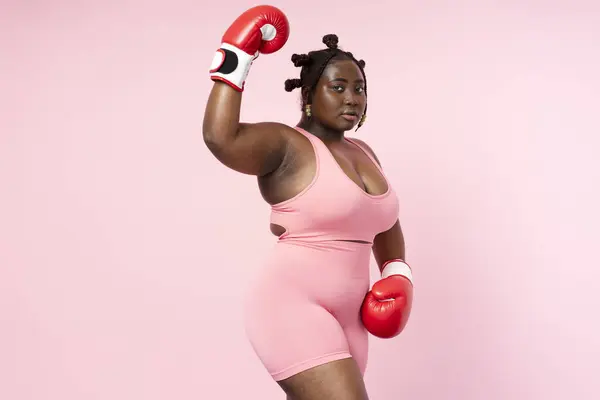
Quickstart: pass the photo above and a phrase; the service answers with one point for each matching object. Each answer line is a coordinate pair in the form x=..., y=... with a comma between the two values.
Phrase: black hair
x=314, y=63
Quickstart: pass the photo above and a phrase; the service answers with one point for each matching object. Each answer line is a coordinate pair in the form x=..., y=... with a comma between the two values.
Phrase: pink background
x=125, y=247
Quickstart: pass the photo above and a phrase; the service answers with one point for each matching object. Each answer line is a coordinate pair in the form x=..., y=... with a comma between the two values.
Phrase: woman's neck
x=325, y=134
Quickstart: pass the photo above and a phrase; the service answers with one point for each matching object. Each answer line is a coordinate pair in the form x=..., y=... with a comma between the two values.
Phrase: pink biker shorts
x=304, y=308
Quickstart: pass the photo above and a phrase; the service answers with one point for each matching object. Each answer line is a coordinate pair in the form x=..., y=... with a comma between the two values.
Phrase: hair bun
x=361, y=63
x=331, y=41
x=300, y=60
x=291, y=84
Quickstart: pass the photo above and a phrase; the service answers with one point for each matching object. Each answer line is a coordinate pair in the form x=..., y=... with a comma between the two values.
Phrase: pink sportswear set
x=303, y=309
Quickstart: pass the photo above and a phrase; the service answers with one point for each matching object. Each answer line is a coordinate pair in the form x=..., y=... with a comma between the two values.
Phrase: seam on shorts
x=282, y=374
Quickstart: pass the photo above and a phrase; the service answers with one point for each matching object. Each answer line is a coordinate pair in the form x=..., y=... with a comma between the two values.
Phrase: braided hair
x=314, y=63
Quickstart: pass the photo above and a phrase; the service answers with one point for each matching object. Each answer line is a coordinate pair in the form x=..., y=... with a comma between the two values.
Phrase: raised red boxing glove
x=261, y=29
x=386, y=308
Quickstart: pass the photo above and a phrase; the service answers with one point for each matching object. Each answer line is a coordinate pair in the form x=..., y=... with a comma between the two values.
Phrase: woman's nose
x=350, y=100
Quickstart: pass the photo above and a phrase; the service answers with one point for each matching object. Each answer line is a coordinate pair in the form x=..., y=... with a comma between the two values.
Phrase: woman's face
x=339, y=98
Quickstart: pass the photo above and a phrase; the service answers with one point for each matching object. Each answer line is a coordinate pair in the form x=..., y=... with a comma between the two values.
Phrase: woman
x=308, y=315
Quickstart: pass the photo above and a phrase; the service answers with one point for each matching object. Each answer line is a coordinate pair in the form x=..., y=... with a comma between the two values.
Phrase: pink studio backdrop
x=125, y=248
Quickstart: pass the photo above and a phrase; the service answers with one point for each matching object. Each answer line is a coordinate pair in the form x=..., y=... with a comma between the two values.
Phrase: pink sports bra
x=332, y=206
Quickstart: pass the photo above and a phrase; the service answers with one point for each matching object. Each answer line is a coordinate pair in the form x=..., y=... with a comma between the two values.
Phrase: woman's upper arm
x=256, y=149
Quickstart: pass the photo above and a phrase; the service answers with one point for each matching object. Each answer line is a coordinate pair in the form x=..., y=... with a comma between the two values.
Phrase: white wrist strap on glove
x=396, y=267
x=231, y=65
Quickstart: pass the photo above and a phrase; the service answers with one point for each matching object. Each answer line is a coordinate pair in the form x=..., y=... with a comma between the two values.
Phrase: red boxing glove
x=387, y=306
x=261, y=29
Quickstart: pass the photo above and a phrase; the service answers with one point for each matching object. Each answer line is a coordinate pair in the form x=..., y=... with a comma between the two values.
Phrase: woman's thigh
x=336, y=380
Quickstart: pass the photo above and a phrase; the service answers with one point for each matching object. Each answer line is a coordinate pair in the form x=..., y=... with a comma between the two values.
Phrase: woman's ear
x=305, y=96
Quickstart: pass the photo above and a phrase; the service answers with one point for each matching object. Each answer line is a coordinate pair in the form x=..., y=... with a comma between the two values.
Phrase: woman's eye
x=338, y=88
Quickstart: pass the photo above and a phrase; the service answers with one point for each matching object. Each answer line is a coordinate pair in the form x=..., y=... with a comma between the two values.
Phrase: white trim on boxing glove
x=231, y=65
x=396, y=267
